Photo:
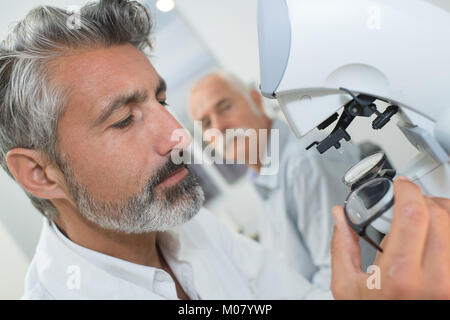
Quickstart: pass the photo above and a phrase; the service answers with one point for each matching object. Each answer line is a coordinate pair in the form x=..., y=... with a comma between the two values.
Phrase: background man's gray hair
x=30, y=104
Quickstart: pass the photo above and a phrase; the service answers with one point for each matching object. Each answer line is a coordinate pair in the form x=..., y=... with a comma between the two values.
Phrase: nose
x=216, y=123
x=172, y=135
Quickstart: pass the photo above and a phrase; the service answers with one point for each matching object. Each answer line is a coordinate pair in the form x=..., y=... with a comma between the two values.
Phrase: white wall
x=13, y=264
x=444, y=4
x=229, y=30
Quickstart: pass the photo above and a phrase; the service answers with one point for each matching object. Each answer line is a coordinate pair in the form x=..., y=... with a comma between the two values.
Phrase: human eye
x=224, y=107
x=124, y=123
x=206, y=123
x=163, y=103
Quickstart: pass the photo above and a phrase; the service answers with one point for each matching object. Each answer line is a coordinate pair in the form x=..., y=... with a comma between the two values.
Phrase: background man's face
x=221, y=107
x=116, y=163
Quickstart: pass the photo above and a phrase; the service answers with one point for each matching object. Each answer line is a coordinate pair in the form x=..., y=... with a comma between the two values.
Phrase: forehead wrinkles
x=93, y=76
x=79, y=73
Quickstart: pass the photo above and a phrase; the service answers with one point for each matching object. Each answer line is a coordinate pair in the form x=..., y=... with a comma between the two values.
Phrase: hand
x=415, y=263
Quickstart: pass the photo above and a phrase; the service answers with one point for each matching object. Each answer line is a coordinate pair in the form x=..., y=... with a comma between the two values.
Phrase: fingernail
x=402, y=178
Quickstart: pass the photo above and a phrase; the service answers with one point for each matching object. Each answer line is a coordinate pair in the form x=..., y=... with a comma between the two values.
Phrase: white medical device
x=317, y=56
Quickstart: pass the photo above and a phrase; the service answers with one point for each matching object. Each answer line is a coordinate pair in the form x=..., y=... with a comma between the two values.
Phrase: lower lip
x=174, y=178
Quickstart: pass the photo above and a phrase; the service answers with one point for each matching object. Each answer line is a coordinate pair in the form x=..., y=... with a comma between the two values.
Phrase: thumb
x=346, y=258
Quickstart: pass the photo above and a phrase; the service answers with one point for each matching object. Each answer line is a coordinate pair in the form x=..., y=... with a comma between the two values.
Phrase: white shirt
x=296, y=220
x=208, y=259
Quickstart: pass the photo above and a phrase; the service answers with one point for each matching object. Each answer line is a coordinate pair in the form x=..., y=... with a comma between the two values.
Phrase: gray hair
x=30, y=104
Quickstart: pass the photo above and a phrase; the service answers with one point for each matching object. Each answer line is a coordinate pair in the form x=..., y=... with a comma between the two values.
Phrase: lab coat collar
x=58, y=261
x=266, y=183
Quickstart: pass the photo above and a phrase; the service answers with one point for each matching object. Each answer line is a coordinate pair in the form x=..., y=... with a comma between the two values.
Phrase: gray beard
x=145, y=211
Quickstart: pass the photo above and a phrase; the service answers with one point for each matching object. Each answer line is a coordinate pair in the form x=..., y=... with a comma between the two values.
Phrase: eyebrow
x=126, y=99
x=216, y=105
x=221, y=101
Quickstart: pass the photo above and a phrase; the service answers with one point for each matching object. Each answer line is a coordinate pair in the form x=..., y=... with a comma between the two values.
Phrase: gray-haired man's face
x=220, y=107
x=115, y=142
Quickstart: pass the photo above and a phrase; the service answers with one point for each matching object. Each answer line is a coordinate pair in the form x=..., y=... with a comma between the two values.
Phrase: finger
x=345, y=247
x=437, y=250
x=385, y=241
x=443, y=203
x=346, y=258
x=409, y=225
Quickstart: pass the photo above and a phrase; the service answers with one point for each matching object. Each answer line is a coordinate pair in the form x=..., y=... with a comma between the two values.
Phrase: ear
x=33, y=172
x=257, y=99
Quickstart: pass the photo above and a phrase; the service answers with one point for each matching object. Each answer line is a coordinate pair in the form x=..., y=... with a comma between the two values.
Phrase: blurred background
x=191, y=38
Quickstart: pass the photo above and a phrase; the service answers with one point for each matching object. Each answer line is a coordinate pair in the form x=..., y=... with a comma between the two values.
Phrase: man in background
x=297, y=198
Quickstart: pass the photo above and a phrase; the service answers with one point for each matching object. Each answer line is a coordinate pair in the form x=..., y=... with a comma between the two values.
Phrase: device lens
x=368, y=200
x=362, y=168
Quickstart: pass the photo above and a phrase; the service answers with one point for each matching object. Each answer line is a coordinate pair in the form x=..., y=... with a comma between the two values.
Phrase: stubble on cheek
x=109, y=173
x=110, y=183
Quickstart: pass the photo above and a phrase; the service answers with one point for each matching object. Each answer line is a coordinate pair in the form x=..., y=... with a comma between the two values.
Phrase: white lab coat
x=209, y=260
x=296, y=220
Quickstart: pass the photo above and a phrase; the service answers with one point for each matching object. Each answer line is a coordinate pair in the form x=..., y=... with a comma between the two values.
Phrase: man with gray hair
x=84, y=131
x=297, y=193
